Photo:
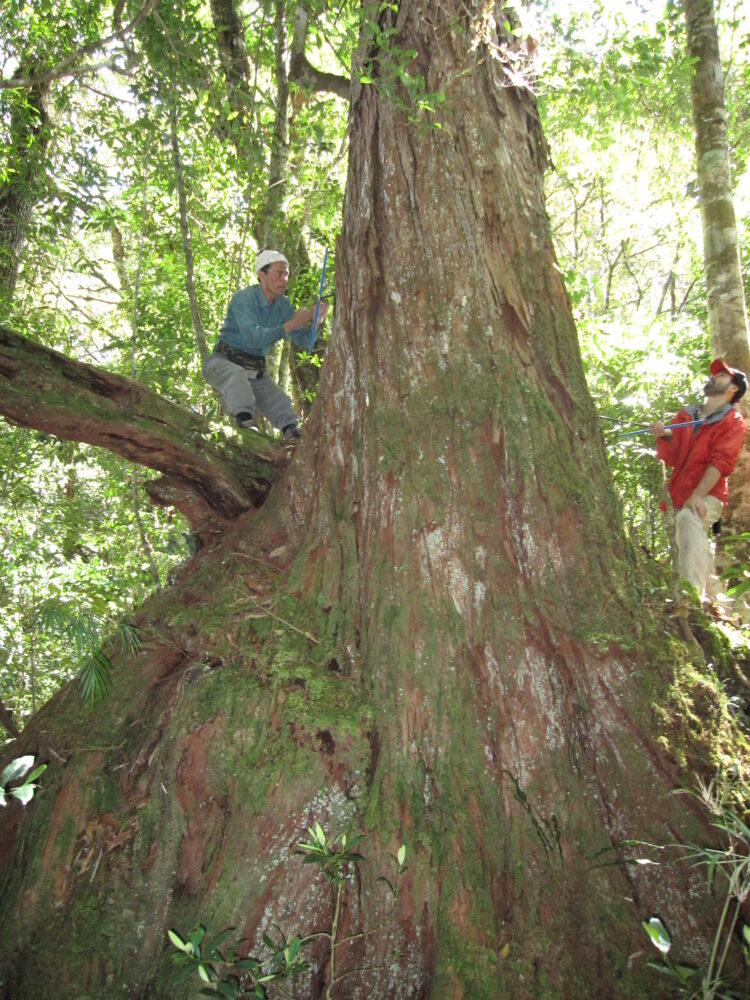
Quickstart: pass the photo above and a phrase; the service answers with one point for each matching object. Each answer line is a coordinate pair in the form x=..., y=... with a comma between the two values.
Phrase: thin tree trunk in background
x=145, y=544
x=727, y=313
x=273, y=225
x=187, y=249
x=29, y=139
x=131, y=293
x=230, y=44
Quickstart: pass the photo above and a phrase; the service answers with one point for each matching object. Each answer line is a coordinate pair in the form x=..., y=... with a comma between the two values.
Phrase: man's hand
x=695, y=503
x=659, y=430
x=298, y=319
x=303, y=317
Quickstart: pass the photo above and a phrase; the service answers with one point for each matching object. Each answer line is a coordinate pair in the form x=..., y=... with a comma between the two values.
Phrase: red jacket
x=690, y=454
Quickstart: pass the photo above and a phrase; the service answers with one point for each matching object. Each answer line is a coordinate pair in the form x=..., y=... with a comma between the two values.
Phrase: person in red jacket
x=701, y=457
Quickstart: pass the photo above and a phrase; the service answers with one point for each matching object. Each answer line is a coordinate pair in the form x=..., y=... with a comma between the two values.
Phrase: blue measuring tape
x=668, y=427
x=317, y=304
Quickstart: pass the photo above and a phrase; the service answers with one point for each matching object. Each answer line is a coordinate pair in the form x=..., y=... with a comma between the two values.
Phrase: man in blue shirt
x=258, y=316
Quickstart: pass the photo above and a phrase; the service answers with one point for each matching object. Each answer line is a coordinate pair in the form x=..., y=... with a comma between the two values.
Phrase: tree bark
x=273, y=228
x=727, y=313
x=210, y=484
x=431, y=632
x=29, y=132
x=301, y=70
x=6, y=721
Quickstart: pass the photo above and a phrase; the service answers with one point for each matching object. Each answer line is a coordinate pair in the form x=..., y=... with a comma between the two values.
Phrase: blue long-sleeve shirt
x=253, y=326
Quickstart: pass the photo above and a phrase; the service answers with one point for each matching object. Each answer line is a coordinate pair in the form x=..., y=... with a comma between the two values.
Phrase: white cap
x=266, y=257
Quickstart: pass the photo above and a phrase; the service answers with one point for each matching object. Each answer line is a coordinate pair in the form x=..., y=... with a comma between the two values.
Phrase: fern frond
x=130, y=641
x=96, y=678
x=79, y=626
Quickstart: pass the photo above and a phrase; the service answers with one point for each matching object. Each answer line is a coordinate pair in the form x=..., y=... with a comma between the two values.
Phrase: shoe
x=247, y=420
x=291, y=431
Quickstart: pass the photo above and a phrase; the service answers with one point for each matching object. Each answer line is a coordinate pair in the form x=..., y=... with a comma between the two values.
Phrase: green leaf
x=217, y=941
x=685, y=972
x=400, y=857
x=96, y=678
x=320, y=835
x=365, y=79
x=228, y=988
x=24, y=793
x=35, y=773
x=182, y=974
x=176, y=940
x=196, y=935
x=130, y=641
x=3, y=800
x=252, y=965
x=204, y=972
x=658, y=934
x=293, y=949
x=746, y=933
x=16, y=769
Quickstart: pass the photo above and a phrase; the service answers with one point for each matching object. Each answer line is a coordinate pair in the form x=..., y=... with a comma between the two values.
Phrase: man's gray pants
x=248, y=391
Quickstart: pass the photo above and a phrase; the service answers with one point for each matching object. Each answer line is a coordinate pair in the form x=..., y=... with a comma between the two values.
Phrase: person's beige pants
x=692, y=542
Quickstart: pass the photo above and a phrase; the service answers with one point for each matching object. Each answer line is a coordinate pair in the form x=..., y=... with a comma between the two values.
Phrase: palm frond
x=96, y=678
x=130, y=641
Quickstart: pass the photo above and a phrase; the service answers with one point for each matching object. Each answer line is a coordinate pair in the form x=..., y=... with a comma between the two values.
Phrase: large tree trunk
x=431, y=631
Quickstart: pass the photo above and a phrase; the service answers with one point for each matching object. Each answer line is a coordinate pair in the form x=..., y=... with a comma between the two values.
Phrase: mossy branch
x=210, y=481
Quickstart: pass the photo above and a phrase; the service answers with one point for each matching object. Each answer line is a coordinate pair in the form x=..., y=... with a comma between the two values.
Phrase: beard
x=712, y=389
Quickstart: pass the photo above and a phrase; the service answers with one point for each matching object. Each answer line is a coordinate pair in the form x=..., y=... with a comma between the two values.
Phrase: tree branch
x=6, y=721
x=210, y=483
x=300, y=70
x=65, y=68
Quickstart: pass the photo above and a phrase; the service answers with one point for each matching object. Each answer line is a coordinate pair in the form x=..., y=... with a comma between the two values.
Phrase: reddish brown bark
x=432, y=631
